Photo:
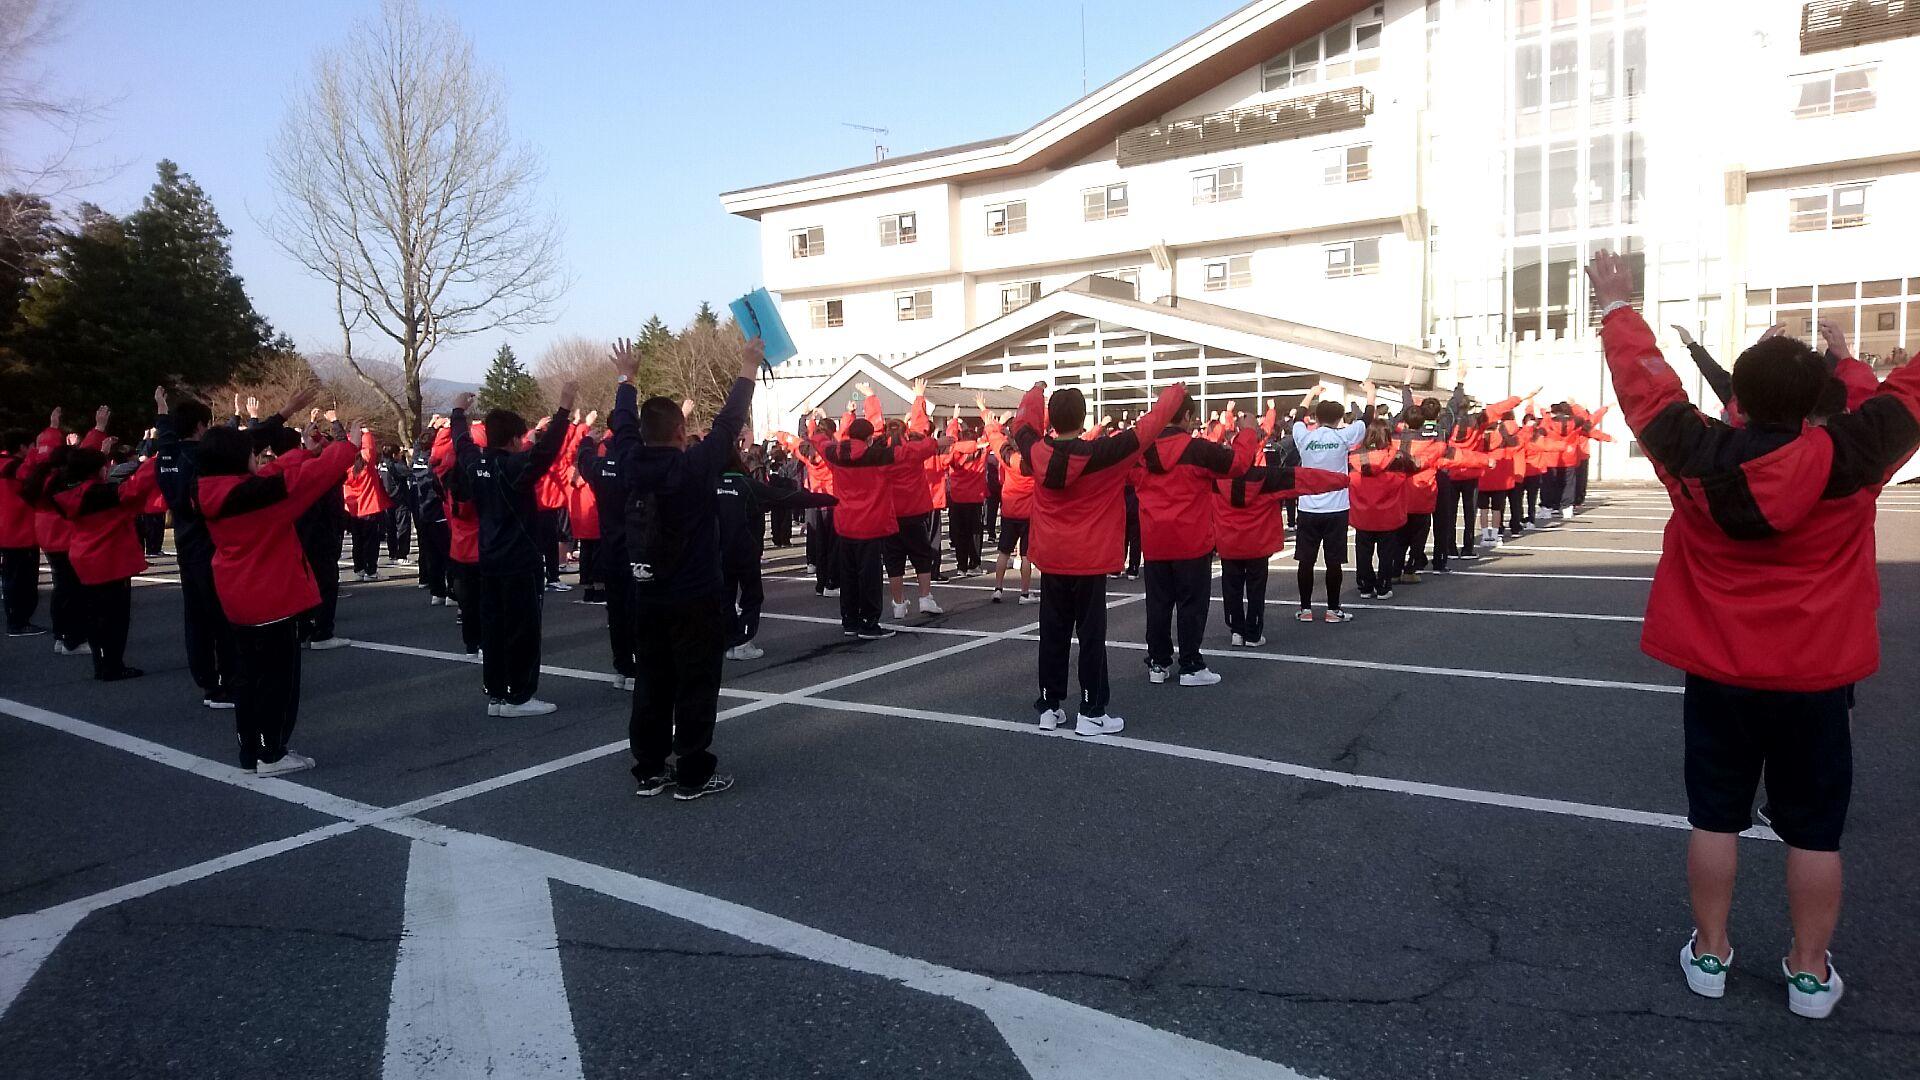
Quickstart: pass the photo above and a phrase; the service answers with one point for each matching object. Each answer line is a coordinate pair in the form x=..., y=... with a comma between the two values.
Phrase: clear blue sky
x=643, y=112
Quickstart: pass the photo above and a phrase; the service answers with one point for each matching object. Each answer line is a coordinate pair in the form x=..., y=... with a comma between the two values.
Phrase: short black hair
x=81, y=465
x=274, y=438
x=15, y=440
x=861, y=428
x=1067, y=410
x=826, y=426
x=1329, y=413
x=1185, y=411
x=189, y=416
x=504, y=428
x=225, y=451
x=661, y=421
x=1779, y=381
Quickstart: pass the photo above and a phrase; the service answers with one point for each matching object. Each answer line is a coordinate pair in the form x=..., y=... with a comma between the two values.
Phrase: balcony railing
x=1839, y=24
x=1314, y=114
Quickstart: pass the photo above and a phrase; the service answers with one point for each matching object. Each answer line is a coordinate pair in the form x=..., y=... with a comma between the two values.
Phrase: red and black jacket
x=1174, y=483
x=101, y=542
x=1246, y=516
x=1378, y=495
x=862, y=482
x=966, y=465
x=260, y=572
x=1079, y=523
x=1767, y=579
x=16, y=513
x=365, y=495
x=51, y=530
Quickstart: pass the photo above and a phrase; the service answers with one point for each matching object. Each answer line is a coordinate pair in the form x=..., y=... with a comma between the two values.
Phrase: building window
x=1563, y=72
x=827, y=314
x=1842, y=207
x=1101, y=203
x=914, y=305
x=1353, y=258
x=1018, y=295
x=1131, y=276
x=1351, y=48
x=897, y=229
x=1826, y=93
x=1346, y=164
x=807, y=243
x=1232, y=273
x=1007, y=218
x=1216, y=185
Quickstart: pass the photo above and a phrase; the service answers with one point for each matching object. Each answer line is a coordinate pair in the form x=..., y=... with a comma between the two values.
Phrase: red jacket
x=912, y=494
x=862, y=484
x=819, y=477
x=1423, y=487
x=966, y=467
x=463, y=520
x=1246, y=516
x=102, y=544
x=1378, y=493
x=365, y=495
x=260, y=572
x=1079, y=509
x=49, y=528
x=16, y=513
x=550, y=490
x=1767, y=577
x=1174, y=482
x=583, y=510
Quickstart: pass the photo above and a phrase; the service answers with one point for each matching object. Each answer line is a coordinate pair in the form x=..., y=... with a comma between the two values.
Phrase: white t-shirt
x=1326, y=448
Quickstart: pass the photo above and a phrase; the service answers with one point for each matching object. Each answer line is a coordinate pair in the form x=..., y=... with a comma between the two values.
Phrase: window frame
x=1359, y=53
x=1228, y=278
x=1107, y=211
x=1826, y=217
x=1007, y=218
x=820, y=313
x=1030, y=288
x=906, y=228
x=1220, y=189
x=1343, y=172
x=918, y=305
x=1351, y=265
x=807, y=248
x=1855, y=100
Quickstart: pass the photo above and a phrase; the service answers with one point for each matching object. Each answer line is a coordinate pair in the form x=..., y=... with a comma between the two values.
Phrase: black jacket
x=425, y=494
x=606, y=475
x=684, y=483
x=178, y=476
x=500, y=485
x=742, y=505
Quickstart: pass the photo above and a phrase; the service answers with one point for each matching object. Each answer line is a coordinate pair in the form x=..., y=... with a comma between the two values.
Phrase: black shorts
x=1316, y=533
x=1801, y=743
x=1013, y=536
x=1493, y=500
x=913, y=543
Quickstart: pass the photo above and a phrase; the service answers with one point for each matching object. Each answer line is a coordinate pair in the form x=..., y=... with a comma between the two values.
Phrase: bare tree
x=401, y=187
x=582, y=361
x=27, y=102
x=700, y=364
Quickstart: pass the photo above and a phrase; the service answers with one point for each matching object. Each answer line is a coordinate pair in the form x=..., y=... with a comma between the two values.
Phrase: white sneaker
x=1706, y=975
x=1052, y=719
x=1203, y=677
x=530, y=707
x=1566, y=513
x=1238, y=640
x=290, y=762
x=628, y=684
x=900, y=609
x=998, y=597
x=559, y=586
x=436, y=601
x=1157, y=675
x=1256, y=642
x=1028, y=599
x=928, y=607
x=493, y=707
x=746, y=650
x=831, y=593
x=325, y=644
x=1809, y=997
x=1098, y=725
x=82, y=649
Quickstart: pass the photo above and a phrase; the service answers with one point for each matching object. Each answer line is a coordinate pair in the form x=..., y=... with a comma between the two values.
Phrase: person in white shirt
x=1323, y=518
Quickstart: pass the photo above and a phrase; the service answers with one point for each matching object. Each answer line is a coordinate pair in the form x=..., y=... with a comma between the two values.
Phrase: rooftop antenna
x=879, y=152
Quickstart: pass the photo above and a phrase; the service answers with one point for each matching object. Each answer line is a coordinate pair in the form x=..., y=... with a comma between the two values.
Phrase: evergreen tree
x=126, y=304
x=509, y=385
x=706, y=317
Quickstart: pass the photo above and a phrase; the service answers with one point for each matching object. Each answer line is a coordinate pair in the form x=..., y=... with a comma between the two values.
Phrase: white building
x=1326, y=190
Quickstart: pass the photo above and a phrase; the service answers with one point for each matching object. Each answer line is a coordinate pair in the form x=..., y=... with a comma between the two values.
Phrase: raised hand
x=313, y=414
x=593, y=417
x=686, y=408
x=100, y=417
x=463, y=401
x=625, y=358
x=1369, y=389
x=160, y=401
x=980, y=402
x=53, y=418
x=568, y=391
x=236, y=404
x=1773, y=331
x=752, y=354
x=865, y=390
x=1836, y=338
x=332, y=416
x=253, y=408
x=1612, y=282
x=919, y=388
x=1686, y=338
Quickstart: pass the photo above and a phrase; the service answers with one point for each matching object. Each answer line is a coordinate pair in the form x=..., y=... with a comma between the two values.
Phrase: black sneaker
x=654, y=785
x=876, y=633
x=715, y=784
x=29, y=630
x=1366, y=594
x=941, y=578
x=120, y=674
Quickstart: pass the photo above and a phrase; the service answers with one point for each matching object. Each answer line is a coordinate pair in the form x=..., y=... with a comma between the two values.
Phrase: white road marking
x=1629, y=532
x=477, y=989
x=1552, y=577
x=1421, y=669
x=1584, y=550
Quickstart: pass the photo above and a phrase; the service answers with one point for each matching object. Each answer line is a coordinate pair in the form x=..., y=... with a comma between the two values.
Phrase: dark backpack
x=655, y=542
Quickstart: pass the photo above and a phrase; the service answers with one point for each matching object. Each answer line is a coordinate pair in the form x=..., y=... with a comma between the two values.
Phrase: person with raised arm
x=870, y=467
x=1324, y=517
x=208, y=637
x=913, y=503
x=672, y=539
x=1078, y=539
x=103, y=547
x=19, y=549
x=1766, y=597
x=500, y=480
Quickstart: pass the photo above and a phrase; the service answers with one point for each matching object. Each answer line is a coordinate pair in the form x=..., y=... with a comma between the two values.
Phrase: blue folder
x=759, y=317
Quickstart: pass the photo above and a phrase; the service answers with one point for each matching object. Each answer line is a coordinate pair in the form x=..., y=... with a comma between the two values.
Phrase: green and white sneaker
x=1706, y=975
x=1809, y=997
